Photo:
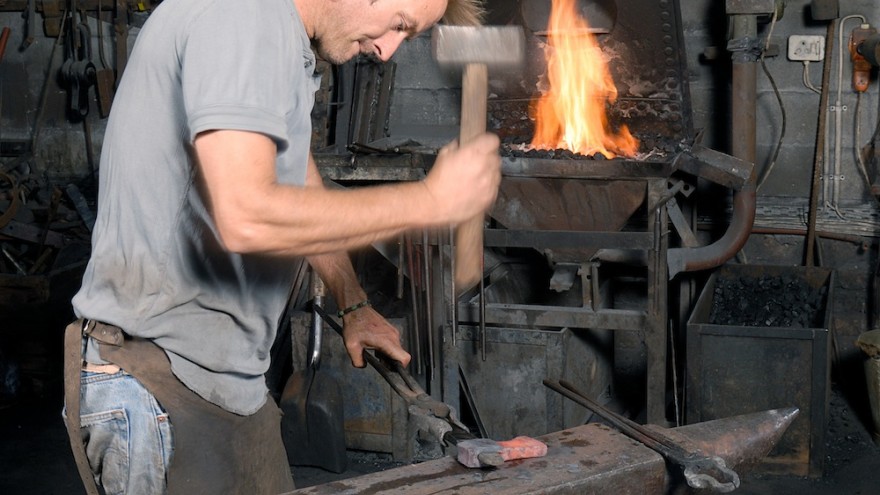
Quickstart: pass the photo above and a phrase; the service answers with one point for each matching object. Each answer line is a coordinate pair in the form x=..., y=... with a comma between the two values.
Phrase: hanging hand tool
x=4, y=38
x=105, y=79
x=700, y=471
x=433, y=416
x=78, y=71
x=30, y=16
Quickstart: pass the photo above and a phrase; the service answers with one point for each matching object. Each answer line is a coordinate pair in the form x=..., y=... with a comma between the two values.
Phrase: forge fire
x=571, y=112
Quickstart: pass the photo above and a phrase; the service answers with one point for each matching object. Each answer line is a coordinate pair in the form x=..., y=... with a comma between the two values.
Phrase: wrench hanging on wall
x=77, y=70
x=30, y=16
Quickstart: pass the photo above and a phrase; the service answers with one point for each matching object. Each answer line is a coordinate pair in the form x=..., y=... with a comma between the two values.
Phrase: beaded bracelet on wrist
x=354, y=307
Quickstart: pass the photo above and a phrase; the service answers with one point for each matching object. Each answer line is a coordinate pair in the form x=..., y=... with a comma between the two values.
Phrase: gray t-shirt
x=157, y=269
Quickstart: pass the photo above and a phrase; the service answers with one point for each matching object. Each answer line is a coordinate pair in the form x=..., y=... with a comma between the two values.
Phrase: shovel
x=312, y=425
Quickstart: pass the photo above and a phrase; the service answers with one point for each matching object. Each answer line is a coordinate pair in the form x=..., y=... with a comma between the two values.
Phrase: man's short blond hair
x=464, y=12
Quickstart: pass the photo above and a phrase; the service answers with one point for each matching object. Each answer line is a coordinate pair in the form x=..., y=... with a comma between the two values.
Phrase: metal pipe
x=744, y=136
x=745, y=92
x=860, y=241
x=703, y=258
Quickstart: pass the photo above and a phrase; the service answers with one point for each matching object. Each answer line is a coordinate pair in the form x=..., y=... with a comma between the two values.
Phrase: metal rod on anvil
x=700, y=470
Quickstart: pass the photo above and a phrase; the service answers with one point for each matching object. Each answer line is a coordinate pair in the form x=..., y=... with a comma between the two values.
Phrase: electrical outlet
x=806, y=48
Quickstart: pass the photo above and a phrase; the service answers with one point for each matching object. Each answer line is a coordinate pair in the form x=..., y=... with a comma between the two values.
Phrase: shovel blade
x=312, y=425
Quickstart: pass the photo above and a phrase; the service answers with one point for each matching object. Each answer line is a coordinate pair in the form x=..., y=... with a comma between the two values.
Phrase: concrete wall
x=705, y=25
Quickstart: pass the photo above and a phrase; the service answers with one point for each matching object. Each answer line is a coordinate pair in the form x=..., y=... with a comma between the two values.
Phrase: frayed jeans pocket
x=127, y=434
x=106, y=436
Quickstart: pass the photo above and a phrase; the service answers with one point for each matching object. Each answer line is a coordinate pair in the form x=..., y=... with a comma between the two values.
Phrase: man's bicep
x=236, y=167
x=238, y=154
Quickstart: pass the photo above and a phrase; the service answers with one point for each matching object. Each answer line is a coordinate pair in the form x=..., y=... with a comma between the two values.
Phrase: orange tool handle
x=4, y=37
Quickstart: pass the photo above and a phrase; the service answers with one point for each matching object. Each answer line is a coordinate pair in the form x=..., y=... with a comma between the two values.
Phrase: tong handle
x=700, y=473
x=398, y=378
x=699, y=470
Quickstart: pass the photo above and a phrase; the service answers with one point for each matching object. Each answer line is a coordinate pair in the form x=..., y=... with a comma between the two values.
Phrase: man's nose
x=386, y=45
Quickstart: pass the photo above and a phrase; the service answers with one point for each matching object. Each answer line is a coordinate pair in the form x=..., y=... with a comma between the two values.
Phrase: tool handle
x=318, y=291
x=469, y=235
x=4, y=38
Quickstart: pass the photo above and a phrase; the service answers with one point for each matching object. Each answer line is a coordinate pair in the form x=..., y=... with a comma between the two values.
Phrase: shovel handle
x=318, y=292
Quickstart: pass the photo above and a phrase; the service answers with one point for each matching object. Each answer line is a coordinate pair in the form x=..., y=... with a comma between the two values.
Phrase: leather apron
x=215, y=451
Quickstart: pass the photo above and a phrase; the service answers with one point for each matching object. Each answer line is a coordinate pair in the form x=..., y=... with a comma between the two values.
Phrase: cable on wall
x=766, y=172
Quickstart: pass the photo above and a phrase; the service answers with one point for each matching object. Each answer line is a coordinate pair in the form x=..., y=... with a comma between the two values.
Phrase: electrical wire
x=858, y=139
x=766, y=172
x=877, y=126
x=807, y=82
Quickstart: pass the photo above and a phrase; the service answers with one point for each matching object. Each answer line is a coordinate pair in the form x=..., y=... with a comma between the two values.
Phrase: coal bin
x=767, y=301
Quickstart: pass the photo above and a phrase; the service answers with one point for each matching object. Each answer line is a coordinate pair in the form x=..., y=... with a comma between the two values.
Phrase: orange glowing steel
x=571, y=114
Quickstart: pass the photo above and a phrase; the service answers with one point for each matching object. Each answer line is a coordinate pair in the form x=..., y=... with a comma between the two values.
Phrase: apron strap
x=73, y=336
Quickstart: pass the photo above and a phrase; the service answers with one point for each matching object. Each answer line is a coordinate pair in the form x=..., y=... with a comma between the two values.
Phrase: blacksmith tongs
x=431, y=415
x=699, y=470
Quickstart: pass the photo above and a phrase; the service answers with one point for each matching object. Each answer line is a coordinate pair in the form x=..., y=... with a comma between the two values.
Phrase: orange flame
x=571, y=114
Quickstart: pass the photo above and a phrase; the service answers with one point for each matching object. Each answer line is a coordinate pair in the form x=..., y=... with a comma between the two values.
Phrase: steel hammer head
x=493, y=46
x=482, y=452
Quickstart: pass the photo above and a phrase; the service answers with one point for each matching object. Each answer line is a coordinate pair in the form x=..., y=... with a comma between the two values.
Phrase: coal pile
x=556, y=154
x=766, y=301
x=651, y=148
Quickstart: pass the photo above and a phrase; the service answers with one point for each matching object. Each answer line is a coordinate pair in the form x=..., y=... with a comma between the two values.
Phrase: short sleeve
x=237, y=62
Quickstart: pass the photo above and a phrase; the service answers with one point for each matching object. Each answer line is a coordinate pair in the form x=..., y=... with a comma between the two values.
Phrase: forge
x=590, y=258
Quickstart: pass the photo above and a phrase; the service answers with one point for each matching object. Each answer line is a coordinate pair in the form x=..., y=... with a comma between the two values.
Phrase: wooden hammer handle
x=469, y=235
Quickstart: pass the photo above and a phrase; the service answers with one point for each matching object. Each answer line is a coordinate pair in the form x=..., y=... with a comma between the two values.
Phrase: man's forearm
x=338, y=274
x=254, y=213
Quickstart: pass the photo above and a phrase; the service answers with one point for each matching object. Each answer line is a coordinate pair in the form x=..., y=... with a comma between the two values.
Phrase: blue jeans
x=126, y=432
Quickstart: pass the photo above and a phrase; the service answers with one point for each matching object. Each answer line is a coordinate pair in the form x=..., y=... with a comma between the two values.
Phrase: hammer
x=475, y=48
x=482, y=452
